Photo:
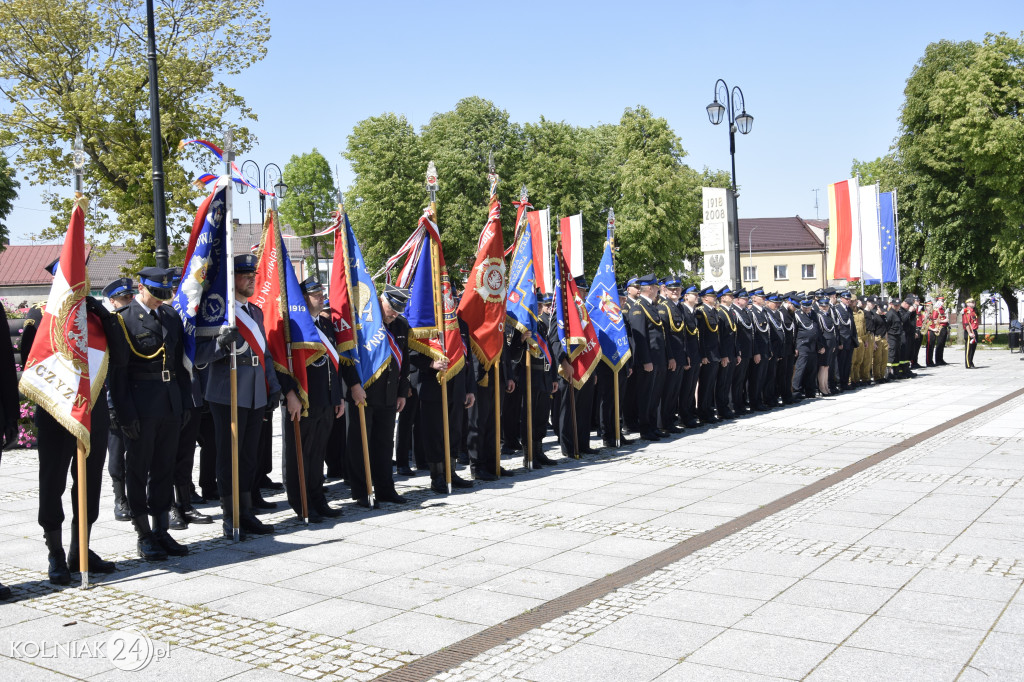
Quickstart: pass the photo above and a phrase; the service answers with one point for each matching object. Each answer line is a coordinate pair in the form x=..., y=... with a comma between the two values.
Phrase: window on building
x=781, y=272
x=749, y=273
x=807, y=271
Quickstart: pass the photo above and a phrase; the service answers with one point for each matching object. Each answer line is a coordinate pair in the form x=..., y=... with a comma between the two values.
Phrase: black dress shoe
x=5, y=592
x=313, y=516
x=481, y=475
x=177, y=519
x=259, y=503
x=459, y=482
x=267, y=484
x=527, y=464
x=392, y=497
x=323, y=509
x=650, y=435
x=96, y=564
x=589, y=451
x=365, y=503
x=405, y=471
x=543, y=459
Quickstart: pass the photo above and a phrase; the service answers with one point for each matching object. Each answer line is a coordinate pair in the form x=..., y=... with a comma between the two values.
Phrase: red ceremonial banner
x=483, y=303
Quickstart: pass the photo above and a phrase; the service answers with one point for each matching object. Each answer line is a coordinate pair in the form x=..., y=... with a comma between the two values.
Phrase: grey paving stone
x=485, y=607
x=202, y=589
x=582, y=563
x=265, y=602
x=393, y=562
x=702, y=607
x=960, y=585
x=415, y=632
x=763, y=654
x=529, y=582
x=597, y=664
x=403, y=593
x=22, y=671
x=850, y=664
x=864, y=573
x=620, y=546
x=12, y=614
x=336, y=617
x=201, y=667
x=914, y=638
x=1012, y=620
x=943, y=609
x=741, y=584
x=693, y=672
x=655, y=636
x=838, y=596
x=514, y=554
x=802, y=622
x=1001, y=651
x=759, y=561
x=333, y=581
x=907, y=540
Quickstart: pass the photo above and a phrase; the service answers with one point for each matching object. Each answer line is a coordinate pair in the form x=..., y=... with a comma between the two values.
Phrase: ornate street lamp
x=743, y=122
x=269, y=178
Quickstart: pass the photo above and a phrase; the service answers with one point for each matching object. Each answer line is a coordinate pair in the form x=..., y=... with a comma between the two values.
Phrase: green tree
x=8, y=193
x=387, y=198
x=658, y=208
x=962, y=142
x=310, y=199
x=81, y=66
x=458, y=142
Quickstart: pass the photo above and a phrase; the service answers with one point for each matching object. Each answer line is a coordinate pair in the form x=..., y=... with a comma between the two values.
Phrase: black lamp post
x=742, y=122
x=269, y=178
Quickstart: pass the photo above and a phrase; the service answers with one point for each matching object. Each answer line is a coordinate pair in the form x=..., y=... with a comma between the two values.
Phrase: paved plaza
x=909, y=569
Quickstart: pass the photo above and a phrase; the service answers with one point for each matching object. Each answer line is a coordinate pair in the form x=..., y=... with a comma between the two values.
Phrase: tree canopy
x=68, y=67
x=635, y=166
x=8, y=193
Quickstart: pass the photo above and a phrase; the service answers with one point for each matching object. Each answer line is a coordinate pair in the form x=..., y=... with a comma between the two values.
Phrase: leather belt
x=249, y=361
x=164, y=376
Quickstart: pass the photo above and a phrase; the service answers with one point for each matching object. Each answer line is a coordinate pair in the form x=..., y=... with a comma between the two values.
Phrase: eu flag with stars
x=887, y=234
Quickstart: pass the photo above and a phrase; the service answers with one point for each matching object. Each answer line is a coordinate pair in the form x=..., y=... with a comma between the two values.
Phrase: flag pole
x=229, y=247
x=896, y=226
x=367, y=474
x=83, y=482
x=615, y=371
x=564, y=277
x=529, y=411
x=439, y=318
x=492, y=179
x=296, y=426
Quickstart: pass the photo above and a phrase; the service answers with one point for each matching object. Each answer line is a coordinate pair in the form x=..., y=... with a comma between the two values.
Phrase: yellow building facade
x=782, y=254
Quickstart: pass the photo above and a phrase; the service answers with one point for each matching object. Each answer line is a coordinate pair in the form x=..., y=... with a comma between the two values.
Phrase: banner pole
x=615, y=390
x=366, y=455
x=497, y=421
x=529, y=412
x=83, y=517
x=575, y=429
x=233, y=360
x=439, y=318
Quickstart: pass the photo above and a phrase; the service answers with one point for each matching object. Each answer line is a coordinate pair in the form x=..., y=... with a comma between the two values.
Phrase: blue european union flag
x=605, y=313
x=887, y=235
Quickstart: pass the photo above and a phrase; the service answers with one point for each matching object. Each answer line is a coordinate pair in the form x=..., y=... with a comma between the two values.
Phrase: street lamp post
x=742, y=122
x=270, y=178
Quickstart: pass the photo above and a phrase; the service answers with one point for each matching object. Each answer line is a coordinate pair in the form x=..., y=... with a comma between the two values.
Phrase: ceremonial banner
x=575, y=331
x=844, y=244
x=887, y=232
x=521, y=307
x=482, y=307
x=431, y=305
x=288, y=324
x=200, y=298
x=572, y=243
x=870, y=243
x=338, y=289
x=540, y=226
x=605, y=313
x=67, y=364
x=371, y=348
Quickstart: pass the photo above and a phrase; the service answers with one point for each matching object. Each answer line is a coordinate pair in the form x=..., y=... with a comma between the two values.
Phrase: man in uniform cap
x=149, y=395
x=728, y=350
x=630, y=421
x=784, y=372
x=711, y=360
x=843, y=317
x=744, y=350
x=118, y=293
x=324, y=398
x=258, y=391
x=650, y=356
x=809, y=345
x=675, y=332
x=762, y=351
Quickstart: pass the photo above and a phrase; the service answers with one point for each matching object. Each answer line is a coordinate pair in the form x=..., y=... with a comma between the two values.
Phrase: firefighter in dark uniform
x=650, y=359
x=10, y=407
x=776, y=339
x=675, y=331
x=744, y=350
x=762, y=351
x=543, y=384
x=691, y=368
x=149, y=395
x=58, y=451
x=728, y=350
x=584, y=395
x=784, y=377
x=481, y=425
x=258, y=391
x=711, y=359
x=830, y=341
x=324, y=397
x=630, y=420
x=843, y=317
x=118, y=293
x=809, y=346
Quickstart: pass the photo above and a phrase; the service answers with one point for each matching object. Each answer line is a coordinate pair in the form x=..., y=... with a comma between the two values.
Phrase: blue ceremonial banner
x=558, y=302
x=372, y=350
x=200, y=298
x=887, y=234
x=605, y=313
x=521, y=305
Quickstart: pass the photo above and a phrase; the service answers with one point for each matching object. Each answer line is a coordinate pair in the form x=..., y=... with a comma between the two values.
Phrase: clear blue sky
x=824, y=81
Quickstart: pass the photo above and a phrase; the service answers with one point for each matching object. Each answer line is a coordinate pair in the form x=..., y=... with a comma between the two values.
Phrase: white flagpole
x=229, y=246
